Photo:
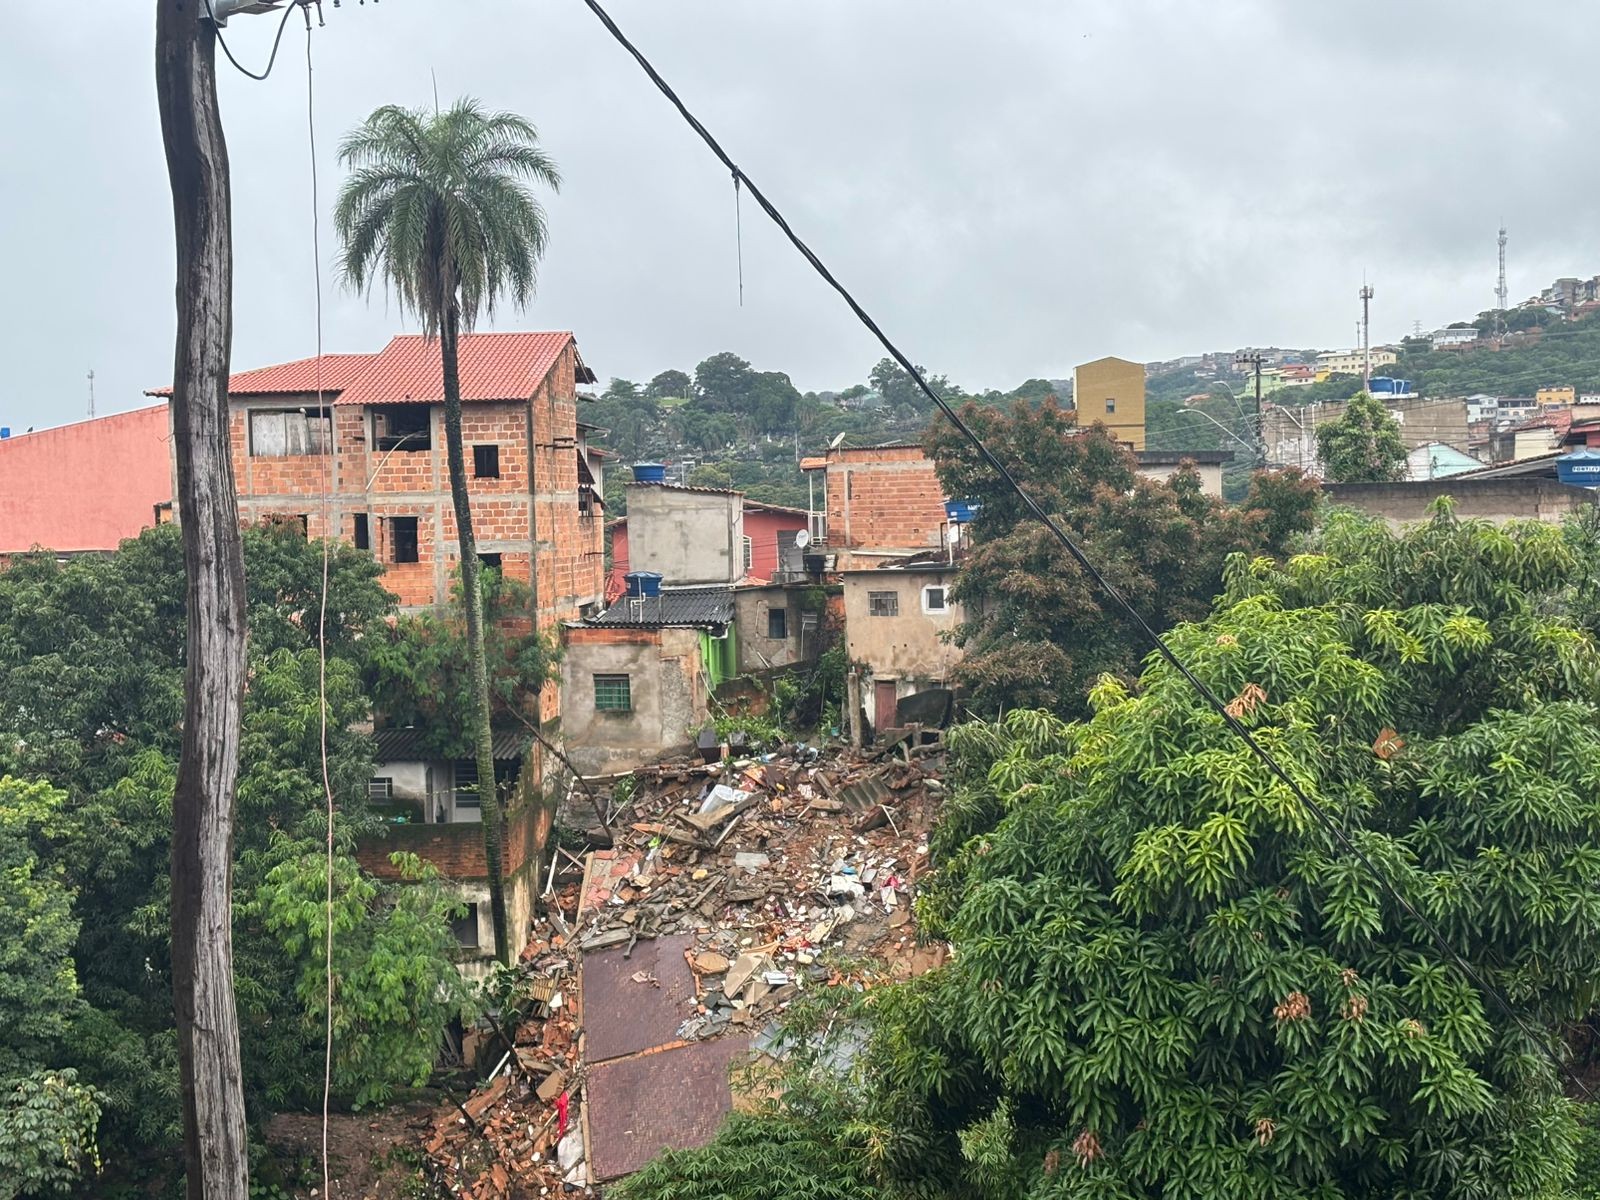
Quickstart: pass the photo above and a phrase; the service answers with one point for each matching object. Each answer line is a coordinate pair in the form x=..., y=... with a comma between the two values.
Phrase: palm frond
x=439, y=207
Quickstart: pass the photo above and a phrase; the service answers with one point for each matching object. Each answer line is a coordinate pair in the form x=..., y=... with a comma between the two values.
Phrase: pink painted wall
x=85, y=486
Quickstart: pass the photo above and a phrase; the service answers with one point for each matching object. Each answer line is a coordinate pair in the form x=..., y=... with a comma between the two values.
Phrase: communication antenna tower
x=1501, y=295
x=1366, y=336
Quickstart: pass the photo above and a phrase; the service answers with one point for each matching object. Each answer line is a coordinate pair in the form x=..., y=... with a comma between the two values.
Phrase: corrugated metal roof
x=681, y=487
x=338, y=371
x=697, y=608
x=404, y=745
x=782, y=510
x=494, y=366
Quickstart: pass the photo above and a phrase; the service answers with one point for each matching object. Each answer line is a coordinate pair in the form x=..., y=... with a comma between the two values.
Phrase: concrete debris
x=723, y=891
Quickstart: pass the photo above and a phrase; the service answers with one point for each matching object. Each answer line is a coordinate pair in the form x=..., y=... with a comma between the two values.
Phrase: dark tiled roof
x=1162, y=458
x=405, y=745
x=701, y=608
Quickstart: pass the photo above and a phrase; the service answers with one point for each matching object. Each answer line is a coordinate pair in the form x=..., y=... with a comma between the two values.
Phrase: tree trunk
x=472, y=601
x=207, y=504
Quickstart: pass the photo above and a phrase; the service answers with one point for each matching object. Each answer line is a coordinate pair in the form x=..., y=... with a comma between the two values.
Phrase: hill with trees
x=748, y=429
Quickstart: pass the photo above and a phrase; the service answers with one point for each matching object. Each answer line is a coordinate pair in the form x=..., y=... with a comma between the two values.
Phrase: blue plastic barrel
x=643, y=583
x=649, y=473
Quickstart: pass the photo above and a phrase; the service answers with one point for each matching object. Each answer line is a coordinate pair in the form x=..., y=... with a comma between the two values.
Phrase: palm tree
x=438, y=208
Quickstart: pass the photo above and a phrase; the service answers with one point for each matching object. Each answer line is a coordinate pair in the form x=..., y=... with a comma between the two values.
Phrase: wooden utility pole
x=214, y=1138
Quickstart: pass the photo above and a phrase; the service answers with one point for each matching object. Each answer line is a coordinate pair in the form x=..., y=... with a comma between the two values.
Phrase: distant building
x=638, y=678
x=768, y=529
x=898, y=620
x=83, y=488
x=354, y=448
x=879, y=502
x=1438, y=461
x=1290, y=433
x=1486, y=494
x=1164, y=464
x=1454, y=339
x=1351, y=362
x=1556, y=397
x=1110, y=391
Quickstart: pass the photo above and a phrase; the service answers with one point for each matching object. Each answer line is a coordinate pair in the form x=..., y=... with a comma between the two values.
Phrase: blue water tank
x=961, y=511
x=5, y=431
x=1383, y=385
x=643, y=583
x=1581, y=468
x=649, y=473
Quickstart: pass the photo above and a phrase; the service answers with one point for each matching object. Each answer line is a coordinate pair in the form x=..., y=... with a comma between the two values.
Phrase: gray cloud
x=1012, y=187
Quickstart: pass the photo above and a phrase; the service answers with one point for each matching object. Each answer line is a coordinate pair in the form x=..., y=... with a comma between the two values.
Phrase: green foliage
x=91, y=677
x=394, y=985
x=419, y=668
x=1167, y=981
x=1364, y=445
x=1586, y=1169
x=47, y=1127
x=47, y=1119
x=1041, y=631
x=1565, y=353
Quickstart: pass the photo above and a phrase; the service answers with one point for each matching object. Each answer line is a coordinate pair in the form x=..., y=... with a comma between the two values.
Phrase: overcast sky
x=1011, y=187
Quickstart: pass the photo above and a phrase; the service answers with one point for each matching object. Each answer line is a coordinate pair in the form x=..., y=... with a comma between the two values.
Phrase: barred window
x=611, y=694
x=883, y=604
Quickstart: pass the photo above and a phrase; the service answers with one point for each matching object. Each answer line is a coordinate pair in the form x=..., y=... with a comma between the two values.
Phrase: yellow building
x=1351, y=362
x=1111, y=391
x=1556, y=397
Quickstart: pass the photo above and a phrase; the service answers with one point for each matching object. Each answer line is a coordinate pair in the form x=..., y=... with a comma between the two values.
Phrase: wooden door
x=883, y=705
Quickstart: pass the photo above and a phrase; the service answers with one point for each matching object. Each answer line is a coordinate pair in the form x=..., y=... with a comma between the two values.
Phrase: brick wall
x=528, y=514
x=883, y=498
x=457, y=849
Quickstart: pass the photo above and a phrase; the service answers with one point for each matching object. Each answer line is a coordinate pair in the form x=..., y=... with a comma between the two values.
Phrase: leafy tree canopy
x=1169, y=981
x=91, y=677
x=1363, y=445
x=1038, y=630
x=669, y=385
x=419, y=675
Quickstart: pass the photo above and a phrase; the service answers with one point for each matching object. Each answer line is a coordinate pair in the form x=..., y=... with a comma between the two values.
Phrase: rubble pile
x=768, y=863
x=718, y=892
x=517, y=1134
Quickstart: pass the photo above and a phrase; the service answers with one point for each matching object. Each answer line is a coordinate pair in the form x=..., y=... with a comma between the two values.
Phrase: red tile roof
x=494, y=366
x=338, y=370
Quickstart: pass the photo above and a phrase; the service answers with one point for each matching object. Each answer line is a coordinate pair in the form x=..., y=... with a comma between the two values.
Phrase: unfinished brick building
x=366, y=462
x=880, y=502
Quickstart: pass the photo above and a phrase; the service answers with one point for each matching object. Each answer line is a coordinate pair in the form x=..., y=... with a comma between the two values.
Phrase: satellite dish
x=802, y=538
x=834, y=445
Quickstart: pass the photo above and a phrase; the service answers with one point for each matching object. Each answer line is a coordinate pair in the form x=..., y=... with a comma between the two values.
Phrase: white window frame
x=380, y=789
x=944, y=599
x=749, y=554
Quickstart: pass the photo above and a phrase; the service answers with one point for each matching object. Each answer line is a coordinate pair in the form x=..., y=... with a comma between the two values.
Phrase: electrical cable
x=276, y=41
x=322, y=616
x=1329, y=825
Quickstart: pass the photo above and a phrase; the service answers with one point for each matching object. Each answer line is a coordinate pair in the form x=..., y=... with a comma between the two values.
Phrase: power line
x=1085, y=564
x=328, y=484
x=276, y=41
